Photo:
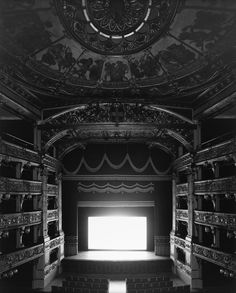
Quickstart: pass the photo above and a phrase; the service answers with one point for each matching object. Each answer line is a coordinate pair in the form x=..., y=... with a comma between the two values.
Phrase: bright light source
x=117, y=233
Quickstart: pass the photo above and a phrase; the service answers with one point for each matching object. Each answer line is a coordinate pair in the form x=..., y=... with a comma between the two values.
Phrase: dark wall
x=19, y=128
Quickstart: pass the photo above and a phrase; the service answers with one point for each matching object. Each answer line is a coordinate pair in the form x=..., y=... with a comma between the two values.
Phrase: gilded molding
x=49, y=268
x=17, y=258
x=52, y=189
x=185, y=268
x=52, y=215
x=10, y=185
x=51, y=162
x=182, y=215
x=218, y=219
x=121, y=188
x=214, y=152
x=221, y=185
x=182, y=189
x=18, y=152
x=183, y=162
x=225, y=260
x=19, y=219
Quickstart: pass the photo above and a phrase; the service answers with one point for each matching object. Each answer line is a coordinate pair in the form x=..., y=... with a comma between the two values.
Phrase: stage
x=116, y=262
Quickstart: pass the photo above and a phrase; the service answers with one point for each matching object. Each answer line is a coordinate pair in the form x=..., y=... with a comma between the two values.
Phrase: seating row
x=78, y=284
x=147, y=280
x=149, y=285
x=179, y=289
x=57, y=289
x=86, y=279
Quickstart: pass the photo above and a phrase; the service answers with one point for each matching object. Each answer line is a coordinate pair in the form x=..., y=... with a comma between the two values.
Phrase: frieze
x=49, y=268
x=52, y=215
x=222, y=185
x=223, y=149
x=12, y=150
x=218, y=219
x=51, y=162
x=17, y=258
x=186, y=269
x=183, y=162
x=182, y=189
x=9, y=185
x=12, y=220
x=52, y=189
x=217, y=257
x=182, y=215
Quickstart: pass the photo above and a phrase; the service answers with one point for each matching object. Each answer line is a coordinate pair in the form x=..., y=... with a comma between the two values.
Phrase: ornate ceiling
x=113, y=67
x=66, y=52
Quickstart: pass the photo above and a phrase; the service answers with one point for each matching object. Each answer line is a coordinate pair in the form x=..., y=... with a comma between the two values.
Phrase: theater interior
x=117, y=146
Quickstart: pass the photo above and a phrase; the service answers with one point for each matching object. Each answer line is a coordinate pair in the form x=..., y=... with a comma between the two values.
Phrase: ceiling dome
x=116, y=27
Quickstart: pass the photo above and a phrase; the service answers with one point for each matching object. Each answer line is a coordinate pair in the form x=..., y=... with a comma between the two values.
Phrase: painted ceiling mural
x=74, y=48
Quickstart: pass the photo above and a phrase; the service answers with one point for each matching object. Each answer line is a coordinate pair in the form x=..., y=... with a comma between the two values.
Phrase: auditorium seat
x=82, y=284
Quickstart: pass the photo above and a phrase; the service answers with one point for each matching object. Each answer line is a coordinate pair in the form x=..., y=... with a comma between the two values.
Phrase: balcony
x=13, y=152
x=10, y=185
x=182, y=189
x=215, y=219
x=182, y=215
x=183, y=162
x=8, y=221
x=219, y=258
x=52, y=189
x=52, y=215
x=51, y=162
x=221, y=185
x=216, y=152
x=17, y=258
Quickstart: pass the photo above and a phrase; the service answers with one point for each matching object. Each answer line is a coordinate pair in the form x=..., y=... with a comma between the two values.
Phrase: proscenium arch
x=170, y=132
x=147, y=107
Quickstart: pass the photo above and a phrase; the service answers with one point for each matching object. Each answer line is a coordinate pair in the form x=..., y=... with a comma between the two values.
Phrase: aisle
x=117, y=286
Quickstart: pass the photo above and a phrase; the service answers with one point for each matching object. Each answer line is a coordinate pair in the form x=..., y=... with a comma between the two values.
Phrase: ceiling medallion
x=116, y=27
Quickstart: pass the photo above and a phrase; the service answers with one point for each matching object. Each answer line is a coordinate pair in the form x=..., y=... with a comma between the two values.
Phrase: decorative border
x=221, y=185
x=182, y=189
x=52, y=189
x=18, y=152
x=17, y=258
x=13, y=220
x=52, y=215
x=9, y=185
x=105, y=159
x=219, y=258
x=117, y=178
x=218, y=219
x=182, y=215
x=49, y=268
x=120, y=204
x=109, y=188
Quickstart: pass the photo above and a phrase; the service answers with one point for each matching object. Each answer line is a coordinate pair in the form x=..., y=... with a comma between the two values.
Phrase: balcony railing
x=221, y=185
x=52, y=215
x=14, y=259
x=177, y=241
x=182, y=215
x=215, y=219
x=183, y=162
x=51, y=162
x=182, y=189
x=223, y=259
x=20, y=219
x=217, y=151
x=54, y=242
x=13, y=151
x=10, y=185
x=52, y=189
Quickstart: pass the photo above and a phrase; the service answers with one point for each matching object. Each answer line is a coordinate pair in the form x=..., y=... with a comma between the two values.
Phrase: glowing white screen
x=118, y=233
